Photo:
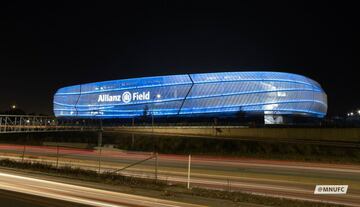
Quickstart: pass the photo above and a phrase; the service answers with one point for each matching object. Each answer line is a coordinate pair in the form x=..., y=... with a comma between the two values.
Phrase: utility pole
x=156, y=166
x=132, y=139
x=100, y=161
x=23, y=154
x=100, y=134
x=152, y=122
x=57, y=156
x=188, y=177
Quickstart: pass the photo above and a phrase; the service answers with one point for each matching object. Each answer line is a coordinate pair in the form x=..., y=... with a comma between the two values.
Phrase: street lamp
x=13, y=106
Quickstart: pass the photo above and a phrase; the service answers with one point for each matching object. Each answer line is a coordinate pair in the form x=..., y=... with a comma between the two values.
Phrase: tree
x=240, y=114
x=15, y=111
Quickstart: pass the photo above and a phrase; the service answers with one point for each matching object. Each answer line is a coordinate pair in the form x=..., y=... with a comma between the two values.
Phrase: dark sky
x=47, y=46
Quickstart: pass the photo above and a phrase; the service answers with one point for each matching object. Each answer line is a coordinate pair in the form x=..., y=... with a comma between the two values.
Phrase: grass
x=88, y=175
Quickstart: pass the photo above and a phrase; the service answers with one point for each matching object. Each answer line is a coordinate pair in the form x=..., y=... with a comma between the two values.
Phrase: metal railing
x=28, y=123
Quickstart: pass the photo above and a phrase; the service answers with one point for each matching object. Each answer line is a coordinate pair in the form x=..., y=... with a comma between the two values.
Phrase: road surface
x=14, y=199
x=79, y=194
x=286, y=179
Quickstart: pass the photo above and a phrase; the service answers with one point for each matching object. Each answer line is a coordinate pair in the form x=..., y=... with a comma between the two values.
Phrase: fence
x=168, y=168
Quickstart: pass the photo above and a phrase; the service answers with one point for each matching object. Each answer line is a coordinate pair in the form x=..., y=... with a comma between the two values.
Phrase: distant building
x=274, y=95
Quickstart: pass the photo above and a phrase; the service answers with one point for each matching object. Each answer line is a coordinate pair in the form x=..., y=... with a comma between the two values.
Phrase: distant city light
x=353, y=113
x=13, y=106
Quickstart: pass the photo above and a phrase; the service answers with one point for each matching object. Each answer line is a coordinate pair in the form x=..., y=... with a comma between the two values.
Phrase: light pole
x=152, y=119
x=188, y=175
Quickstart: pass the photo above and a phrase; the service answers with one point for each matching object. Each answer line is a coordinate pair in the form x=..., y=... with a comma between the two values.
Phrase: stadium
x=271, y=94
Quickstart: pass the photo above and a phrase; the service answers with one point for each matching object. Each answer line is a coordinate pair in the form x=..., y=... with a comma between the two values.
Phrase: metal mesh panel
x=134, y=83
x=194, y=94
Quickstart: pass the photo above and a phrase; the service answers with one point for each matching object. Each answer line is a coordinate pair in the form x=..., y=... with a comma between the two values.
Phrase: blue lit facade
x=194, y=94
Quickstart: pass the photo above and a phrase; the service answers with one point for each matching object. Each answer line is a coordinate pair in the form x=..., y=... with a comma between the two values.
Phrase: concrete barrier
x=67, y=144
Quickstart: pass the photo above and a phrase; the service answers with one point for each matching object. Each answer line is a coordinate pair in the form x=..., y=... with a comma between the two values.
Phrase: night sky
x=47, y=46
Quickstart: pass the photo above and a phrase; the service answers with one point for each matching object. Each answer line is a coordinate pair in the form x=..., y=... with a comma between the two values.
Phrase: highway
x=337, y=143
x=342, y=137
x=79, y=194
x=285, y=179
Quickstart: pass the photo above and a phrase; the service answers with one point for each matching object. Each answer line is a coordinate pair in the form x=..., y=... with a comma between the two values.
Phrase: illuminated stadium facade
x=272, y=94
